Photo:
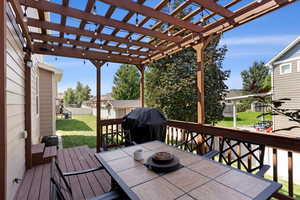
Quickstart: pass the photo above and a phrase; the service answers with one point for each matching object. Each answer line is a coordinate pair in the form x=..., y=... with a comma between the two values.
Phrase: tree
x=171, y=84
x=267, y=85
x=82, y=93
x=126, y=83
x=69, y=96
x=254, y=78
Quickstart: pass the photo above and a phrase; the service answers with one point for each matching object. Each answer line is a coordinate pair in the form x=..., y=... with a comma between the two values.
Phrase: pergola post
x=3, y=111
x=98, y=65
x=98, y=105
x=200, y=82
x=142, y=85
x=200, y=47
x=28, y=126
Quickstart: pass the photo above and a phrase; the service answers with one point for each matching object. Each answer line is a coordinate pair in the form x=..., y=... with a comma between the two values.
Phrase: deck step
x=50, y=152
x=37, y=151
x=37, y=148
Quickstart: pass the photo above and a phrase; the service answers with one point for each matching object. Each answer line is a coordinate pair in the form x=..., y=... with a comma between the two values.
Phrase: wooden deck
x=36, y=181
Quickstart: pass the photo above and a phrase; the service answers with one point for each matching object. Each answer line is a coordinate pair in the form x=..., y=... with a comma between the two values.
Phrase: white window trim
x=298, y=66
x=290, y=65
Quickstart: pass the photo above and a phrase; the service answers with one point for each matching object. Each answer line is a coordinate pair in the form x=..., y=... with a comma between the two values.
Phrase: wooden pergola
x=145, y=33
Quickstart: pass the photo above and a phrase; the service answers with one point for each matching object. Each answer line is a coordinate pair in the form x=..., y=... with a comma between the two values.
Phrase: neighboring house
x=286, y=82
x=16, y=95
x=48, y=79
x=228, y=110
x=111, y=108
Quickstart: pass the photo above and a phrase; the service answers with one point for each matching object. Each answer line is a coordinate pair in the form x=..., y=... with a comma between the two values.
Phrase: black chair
x=60, y=189
x=234, y=152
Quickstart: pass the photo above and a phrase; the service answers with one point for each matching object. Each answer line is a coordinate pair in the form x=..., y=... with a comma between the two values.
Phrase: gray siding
x=292, y=53
x=286, y=86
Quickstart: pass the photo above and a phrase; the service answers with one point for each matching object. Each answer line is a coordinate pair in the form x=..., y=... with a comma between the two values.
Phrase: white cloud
x=259, y=40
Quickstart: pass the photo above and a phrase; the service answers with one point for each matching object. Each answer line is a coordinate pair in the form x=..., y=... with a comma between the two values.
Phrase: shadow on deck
x=36, y=181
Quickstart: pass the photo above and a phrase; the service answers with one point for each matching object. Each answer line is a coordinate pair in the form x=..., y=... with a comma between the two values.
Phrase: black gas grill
x=144, y=125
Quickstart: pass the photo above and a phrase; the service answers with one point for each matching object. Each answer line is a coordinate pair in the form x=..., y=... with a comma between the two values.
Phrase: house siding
x=293, y=53
x=286, y=86
x=15, y=100
x=46, y=102
x=15, y=103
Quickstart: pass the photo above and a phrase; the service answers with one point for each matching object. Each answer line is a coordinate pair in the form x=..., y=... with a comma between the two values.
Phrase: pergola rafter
x=88, y=8
x=63, y=18
x=181, y=32
x=150, y=12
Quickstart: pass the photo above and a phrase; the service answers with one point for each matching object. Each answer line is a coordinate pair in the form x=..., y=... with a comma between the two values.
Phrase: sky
x=258, y=40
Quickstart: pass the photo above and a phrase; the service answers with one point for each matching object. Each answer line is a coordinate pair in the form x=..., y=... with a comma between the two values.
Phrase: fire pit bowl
x=163, y=162
x=162, y=158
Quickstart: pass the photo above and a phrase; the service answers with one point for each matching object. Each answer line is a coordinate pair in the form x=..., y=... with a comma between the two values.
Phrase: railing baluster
x=106, y=136
x=117, y=132
x=290, y=174
x=172, y=137
x=168, y=138
x=250, y=158
x=176, y=136
x=275, y=169
x=239, y=154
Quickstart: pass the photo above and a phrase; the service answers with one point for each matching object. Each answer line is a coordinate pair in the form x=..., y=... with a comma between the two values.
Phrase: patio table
x=200, y=178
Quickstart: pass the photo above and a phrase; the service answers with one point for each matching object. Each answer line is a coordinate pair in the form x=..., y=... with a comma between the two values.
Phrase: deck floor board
x=36, y=181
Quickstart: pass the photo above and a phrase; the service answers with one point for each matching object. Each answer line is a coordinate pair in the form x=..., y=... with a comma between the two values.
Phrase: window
x=298, y=66
x=285, y=68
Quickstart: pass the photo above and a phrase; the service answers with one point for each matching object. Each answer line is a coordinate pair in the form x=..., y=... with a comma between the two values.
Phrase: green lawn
x=81, y=130
x=243, y=119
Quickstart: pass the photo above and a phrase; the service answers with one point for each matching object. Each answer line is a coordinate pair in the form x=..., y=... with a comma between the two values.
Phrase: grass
x=81, y=130
x=243, y=119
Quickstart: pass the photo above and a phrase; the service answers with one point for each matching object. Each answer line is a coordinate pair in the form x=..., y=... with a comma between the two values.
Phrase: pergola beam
x=72, y=30
x=150, y=12
x=76, y=13
x=47, y=38
x=214, y=7
x=78, y=53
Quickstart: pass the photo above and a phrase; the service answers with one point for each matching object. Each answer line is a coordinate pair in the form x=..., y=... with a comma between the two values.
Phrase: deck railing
x=179, y=131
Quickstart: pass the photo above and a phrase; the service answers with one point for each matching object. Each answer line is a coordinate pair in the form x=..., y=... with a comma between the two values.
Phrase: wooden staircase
x=42, y=154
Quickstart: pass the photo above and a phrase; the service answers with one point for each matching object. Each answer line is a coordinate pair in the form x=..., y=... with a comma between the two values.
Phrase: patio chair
x=237, y=152
x=60, y=189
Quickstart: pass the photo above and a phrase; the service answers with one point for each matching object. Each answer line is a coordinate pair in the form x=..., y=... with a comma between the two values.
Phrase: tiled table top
x=200, y=178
